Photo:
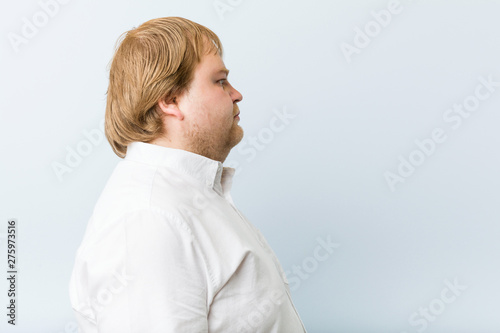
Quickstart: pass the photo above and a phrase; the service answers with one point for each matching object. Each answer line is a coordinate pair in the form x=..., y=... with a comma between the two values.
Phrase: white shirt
x=166, y=250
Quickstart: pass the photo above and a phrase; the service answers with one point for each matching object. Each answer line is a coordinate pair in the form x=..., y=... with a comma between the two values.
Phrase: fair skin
x=204, y=119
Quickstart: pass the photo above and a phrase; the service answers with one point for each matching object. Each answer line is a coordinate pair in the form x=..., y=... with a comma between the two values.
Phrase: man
x=166, y=250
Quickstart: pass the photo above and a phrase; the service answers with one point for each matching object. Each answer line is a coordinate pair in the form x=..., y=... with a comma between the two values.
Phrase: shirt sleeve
x=159, y=282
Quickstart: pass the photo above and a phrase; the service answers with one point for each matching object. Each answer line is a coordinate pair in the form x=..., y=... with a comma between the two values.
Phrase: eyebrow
x=223, y=70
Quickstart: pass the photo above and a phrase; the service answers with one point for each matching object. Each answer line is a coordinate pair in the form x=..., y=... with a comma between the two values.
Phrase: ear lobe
x=170, y=108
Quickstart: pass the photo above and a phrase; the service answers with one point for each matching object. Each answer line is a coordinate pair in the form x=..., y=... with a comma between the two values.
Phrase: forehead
x=211, y=63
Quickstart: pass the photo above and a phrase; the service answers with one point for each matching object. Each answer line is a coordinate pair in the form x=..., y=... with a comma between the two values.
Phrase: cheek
x=224, y=98
x=216, y=108
x=224, y=104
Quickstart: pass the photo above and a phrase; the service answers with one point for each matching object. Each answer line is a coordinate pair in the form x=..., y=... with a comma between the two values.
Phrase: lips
x=236, y=115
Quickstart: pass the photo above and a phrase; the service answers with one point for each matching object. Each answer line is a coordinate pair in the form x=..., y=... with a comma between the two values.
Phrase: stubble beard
x=214, y=145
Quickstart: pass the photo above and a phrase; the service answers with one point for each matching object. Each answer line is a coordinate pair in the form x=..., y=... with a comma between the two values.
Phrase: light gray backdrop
x=370, y=160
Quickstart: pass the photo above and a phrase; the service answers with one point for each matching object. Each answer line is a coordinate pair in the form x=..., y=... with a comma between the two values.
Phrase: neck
x=196, y=148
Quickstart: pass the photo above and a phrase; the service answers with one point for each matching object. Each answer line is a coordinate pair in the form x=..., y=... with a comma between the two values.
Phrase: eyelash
x=222, y=81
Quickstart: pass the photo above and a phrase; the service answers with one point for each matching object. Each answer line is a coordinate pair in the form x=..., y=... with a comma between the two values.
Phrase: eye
x=222, y=82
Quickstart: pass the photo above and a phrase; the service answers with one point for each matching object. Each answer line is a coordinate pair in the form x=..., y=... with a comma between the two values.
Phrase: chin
x=236, y=136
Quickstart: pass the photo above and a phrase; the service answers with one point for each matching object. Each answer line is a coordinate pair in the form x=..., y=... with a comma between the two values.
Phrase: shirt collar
x=209, y=172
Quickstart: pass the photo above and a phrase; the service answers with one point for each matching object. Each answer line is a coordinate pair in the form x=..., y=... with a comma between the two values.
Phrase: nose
x=236, y=95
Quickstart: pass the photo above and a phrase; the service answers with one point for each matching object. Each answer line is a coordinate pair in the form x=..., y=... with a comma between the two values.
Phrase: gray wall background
x=390, y=151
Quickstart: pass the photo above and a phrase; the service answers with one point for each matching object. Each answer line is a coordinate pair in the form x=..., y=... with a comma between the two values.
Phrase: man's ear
x=170, y=108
